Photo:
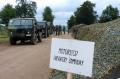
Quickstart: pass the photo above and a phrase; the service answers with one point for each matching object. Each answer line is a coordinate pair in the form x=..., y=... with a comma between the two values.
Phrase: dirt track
x=26, y=61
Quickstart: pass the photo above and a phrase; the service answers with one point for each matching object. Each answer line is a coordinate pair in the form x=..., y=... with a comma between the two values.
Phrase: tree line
x=24, y=9
x=85, y=14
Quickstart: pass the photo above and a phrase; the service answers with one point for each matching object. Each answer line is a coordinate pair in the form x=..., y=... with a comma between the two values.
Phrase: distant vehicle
x=46, y=28
x=23, y=29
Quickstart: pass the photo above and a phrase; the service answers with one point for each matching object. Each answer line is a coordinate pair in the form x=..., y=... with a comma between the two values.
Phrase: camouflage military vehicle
x=45, y=26
x=23, y=29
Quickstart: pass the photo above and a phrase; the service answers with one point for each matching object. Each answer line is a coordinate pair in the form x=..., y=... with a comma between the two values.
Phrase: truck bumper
x=20, y=36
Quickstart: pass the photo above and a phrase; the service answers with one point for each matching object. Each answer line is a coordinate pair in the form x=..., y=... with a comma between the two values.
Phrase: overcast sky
x=63, y=9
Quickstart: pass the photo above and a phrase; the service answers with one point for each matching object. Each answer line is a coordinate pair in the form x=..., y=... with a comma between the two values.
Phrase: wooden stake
x=69, y=75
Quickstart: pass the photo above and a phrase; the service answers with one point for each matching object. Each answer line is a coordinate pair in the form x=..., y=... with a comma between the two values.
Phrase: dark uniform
x=64, y=29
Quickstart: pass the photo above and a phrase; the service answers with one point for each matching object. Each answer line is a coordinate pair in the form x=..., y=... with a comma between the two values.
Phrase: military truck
x=24, y=29
x=50, y=26
x=46, y=28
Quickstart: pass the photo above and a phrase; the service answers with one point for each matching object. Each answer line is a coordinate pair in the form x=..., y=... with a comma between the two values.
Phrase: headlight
x=28, y=35
x=11, y=33
x=28, y=32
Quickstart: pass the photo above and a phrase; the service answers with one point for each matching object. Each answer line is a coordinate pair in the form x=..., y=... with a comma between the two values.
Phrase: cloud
x=62, y=9
x=101, y=4
x=62, y=17
x=4, y=2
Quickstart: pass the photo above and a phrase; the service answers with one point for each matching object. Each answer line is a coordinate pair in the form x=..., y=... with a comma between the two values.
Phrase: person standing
x=56, y=29
x=64, y=29
x=68, y=30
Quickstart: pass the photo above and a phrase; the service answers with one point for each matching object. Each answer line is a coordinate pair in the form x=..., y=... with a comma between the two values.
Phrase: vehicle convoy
x=46, y=28
x=24, y=29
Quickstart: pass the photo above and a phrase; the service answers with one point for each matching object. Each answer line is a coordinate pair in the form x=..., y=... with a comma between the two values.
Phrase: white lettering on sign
x=72, y=56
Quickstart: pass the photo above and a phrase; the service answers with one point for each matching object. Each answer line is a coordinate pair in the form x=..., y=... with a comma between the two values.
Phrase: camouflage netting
x=107, y=48
x=75, y=30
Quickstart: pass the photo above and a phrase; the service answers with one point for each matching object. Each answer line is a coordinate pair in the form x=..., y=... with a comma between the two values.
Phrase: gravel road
x=26, y=61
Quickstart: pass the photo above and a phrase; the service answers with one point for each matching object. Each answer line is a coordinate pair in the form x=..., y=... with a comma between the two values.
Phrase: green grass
x=4, y=39
x=3, y=34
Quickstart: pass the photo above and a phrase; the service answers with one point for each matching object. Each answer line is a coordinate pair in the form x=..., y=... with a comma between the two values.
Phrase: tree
x=71, y=22
x=0, y=18
x=26, y=8
x=47, y=15
x=21, y=1
x=85, y=14
x=7, y=13
x=109, y=14
x=31, y=9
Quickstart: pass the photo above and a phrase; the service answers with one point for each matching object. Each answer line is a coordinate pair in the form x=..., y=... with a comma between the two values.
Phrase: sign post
x=72, y=56
x=69, y=75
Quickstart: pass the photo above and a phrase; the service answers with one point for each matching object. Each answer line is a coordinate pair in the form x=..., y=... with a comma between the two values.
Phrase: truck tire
x=12, y=41
x=22, y=41
x=34, y=39
x=39, y=37
x=45, y=36
x=48, y=33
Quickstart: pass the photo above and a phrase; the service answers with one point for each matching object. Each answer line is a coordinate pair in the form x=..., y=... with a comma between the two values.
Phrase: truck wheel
x=34, y=39
x=45, y=36
x=12, y=41
x=39, y=37
x=48, y=33
x=22, y=41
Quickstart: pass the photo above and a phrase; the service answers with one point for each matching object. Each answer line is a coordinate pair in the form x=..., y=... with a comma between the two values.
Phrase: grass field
x=3, y=34
x=4, y=39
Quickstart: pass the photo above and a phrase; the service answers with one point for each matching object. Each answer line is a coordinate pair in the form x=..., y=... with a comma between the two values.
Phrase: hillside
x=107, y=47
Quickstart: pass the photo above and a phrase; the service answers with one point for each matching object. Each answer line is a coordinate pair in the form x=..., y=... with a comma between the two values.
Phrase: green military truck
x=24, y=29
x=46, y=28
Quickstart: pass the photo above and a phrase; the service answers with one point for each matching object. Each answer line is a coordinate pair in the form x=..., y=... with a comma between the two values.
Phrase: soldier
x=68, y=30
x=54, y=29
x=57, y=30
x=60, y=30
x=64, y=29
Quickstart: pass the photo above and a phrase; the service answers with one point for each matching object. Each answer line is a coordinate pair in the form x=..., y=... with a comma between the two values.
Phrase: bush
x=3, y=31
x=75, y=30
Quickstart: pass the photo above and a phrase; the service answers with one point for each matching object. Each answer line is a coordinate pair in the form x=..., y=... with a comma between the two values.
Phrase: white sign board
x=72, y=56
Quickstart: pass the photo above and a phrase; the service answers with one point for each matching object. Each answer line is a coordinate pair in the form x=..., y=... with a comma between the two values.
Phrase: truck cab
x=23, y=29
x=45, y=28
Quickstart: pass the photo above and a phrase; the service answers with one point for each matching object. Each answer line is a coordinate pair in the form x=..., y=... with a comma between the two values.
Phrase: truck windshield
x=41, y=24
x=20, y=23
